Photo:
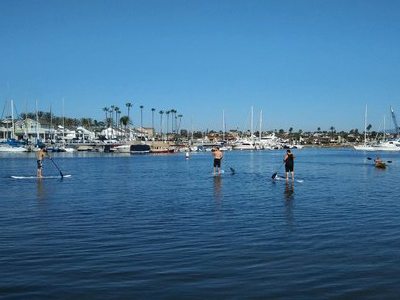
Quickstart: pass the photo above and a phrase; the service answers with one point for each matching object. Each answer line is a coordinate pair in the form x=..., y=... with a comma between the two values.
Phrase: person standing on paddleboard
x=289, y=164
x=40, y=155
x=217, y=154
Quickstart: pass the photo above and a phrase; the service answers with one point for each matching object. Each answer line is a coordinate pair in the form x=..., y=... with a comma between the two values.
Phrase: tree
x=112, y=107
x=152, y=117
x=124, y=121
x=167, y=113
x=179, y=124
x=141, y=116
x=161, y=112
x=332, y=131
x=105, y=109
x=129, y=106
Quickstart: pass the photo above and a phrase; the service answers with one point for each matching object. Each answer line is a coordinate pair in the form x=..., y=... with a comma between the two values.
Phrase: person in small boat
x=379, y=163
x=289, y=164
x=218, y=155
x=40, y=155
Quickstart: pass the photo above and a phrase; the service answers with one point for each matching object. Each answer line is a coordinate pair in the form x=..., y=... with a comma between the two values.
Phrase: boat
x=12, y=149
x=387, y=145
x=243, y=145
x=139, y=149
x=380, y=165
x=125, y=148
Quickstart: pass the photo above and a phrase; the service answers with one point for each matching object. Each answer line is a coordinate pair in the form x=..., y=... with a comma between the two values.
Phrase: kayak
x=380, y=165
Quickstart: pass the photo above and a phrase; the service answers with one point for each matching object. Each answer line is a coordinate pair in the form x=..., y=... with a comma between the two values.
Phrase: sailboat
x=246, y=143
x=12, y=145
x=390, y=145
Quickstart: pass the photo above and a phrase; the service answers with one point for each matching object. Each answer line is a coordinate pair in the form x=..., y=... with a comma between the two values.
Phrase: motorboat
x=139, y=149
x=12, y=149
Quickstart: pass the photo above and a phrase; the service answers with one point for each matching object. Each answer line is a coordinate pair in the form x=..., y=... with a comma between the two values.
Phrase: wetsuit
x=289, y=163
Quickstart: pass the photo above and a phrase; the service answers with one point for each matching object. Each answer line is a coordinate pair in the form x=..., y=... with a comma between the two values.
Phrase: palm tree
x=105, y=109
x=152, y=117
x=118, y=113
x=173, y=118
x=179, y=124
x=129, y=106
x=161, y=114
x=116, y=109
x=332, y=130
x=112, y=107
x=141, y=116
x=124, y=121
x=369, y=128
x=167, y=113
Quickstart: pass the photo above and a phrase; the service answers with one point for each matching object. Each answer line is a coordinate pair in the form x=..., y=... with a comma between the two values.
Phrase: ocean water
x=162, y=227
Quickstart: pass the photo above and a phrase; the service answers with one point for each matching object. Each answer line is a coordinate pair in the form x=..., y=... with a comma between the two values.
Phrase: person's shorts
x=39, y=164
x=217, y=163
x=289, y=168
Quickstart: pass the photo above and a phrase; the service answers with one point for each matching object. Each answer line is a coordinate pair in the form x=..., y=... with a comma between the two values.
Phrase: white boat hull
x=11, y=149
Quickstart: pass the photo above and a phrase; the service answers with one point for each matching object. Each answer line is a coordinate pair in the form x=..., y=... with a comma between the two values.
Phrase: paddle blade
x=274, y=175
x=369, y=158
x=232, y=170
x=389, y=161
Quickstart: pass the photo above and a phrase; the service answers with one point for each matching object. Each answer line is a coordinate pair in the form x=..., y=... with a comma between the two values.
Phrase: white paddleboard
x=290, y=180
x=44, y=177
x=216, y=173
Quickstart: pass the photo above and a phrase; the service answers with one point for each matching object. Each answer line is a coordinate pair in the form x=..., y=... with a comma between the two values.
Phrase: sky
x=304, y=63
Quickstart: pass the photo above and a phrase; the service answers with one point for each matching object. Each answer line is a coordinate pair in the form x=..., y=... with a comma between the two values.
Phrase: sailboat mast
x=37, y=122
x=251, y=131
x=223, y=125
x=12, y=119
x=365, y=124
x=63, y=120
x=259, y=135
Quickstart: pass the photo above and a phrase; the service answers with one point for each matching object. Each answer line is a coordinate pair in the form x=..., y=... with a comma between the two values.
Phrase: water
x=162, y=227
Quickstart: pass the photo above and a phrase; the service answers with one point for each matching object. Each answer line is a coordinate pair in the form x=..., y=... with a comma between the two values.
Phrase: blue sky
x=305, y=64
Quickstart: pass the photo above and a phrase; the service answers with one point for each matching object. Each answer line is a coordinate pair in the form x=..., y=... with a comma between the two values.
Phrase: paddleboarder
x=40, y=155
x=218, y=155
x=289, y=164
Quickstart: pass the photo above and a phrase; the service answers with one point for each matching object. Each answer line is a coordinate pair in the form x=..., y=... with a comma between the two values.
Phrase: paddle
x=388, y=161
x=276, y=173
x=61, y=174
x=232, y=170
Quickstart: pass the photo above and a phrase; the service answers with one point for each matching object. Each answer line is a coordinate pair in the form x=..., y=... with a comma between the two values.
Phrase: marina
x=159, y=226
x=199, y=150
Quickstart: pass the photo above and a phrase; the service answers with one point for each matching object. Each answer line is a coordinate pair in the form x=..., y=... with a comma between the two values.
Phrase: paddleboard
x=278, y=178
x=44, y=177
x=216, y=173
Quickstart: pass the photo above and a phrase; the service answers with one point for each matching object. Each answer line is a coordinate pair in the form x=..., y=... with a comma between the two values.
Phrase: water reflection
x=289, y=190
x=289, y=196
x=218, y=188
x=40, y=191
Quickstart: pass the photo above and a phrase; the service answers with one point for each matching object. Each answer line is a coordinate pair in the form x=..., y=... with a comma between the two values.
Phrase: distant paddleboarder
x=289, y=164
x=40, y=155
x=218, y=155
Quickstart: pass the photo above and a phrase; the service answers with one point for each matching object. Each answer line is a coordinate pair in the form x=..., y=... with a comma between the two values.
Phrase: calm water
x=161, y=227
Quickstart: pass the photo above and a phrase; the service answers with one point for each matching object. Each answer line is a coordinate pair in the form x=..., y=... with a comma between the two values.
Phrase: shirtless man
x=40, y=155
x=217, y=154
